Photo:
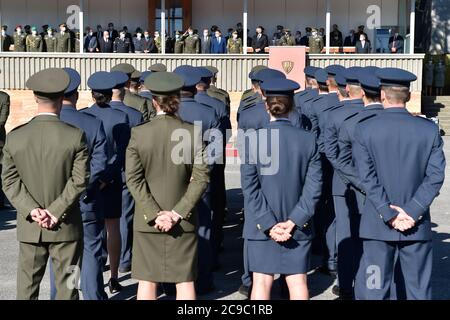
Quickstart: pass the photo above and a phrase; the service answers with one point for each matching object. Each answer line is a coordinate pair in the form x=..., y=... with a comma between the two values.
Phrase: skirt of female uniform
x=111, y=201
x=164, y=258
x=288, y=258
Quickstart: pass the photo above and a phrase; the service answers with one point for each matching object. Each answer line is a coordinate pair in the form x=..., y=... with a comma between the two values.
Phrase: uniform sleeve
x=135, y=178
x=251, y=186
x=432, y=183
x=4, y=110
x=76, y=184
x=330, y=137
x=345, y=164
x=370, y=183
x=14, y=188
x=99, y=157
x=197, y=186
x=312, y=190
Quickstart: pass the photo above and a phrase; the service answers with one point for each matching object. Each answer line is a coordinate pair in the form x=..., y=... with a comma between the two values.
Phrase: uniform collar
x=355, y=101
x=374, y=106
x=399, y=109
x=68, y=107
x=46, y=117
x=187, y=99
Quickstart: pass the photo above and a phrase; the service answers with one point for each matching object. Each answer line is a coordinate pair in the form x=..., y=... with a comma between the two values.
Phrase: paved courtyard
x=227, y=279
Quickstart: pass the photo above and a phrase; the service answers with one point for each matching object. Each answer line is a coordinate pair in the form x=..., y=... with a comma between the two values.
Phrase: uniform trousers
x=126, y=227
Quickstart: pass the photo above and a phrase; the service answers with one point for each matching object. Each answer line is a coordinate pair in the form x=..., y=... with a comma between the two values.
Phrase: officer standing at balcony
x=20, y=39
x=191, y=42
x=122, y=44
x=34, y=41
x=49, y=41
x=63, y=39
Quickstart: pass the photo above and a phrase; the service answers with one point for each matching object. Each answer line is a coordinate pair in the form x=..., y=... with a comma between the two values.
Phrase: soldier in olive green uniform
x=287, y=39
x=34, y=41
x=157, y=40
x=165, y=238
x=4, y=114
x=132, y=98
x=234, y=45
x=215, y=92
x=191, y=42
x=44, y=173
x=179, y=43
x=20, y=39
x=49, y=41
x=63, y=39
x=315, y=42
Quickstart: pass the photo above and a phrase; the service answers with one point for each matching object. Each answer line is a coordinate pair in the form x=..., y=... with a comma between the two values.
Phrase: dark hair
x=102, y=98
x=343, y=92
x=169, y=104
x=323, y=87
x=372, y=97
x=279, y=105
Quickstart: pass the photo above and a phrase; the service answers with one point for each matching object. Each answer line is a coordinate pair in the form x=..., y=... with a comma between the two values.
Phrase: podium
x=291, y=61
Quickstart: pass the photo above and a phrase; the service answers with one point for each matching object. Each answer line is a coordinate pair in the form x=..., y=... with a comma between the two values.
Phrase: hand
x=166, y=220
x=53, y=220
x=402, y=222
x=40, y=217
x=281, y=232
x=288, y=226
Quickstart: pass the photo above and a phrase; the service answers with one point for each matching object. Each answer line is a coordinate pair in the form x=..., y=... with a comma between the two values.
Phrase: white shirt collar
x=48, y=114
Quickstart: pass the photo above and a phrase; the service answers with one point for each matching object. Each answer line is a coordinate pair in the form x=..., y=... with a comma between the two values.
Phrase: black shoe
x=244, y=290
x=341, y=294
x=114, y=286
x=125, y=269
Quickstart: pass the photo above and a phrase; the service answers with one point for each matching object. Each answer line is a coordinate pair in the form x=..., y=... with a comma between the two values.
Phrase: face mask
x=139, y=35
x=3, y=33
x=50, y=32
x=235, y=36
x=314, y=34
x=91, y=33
x=34, y=33
x=191, y=33
x=206, y=34
x=156, y=35
x=19, y=30
x=217, y=35
x=122, y=37
x=177, y=36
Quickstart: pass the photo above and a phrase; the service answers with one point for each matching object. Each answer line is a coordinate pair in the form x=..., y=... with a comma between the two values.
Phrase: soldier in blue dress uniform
x=91, y=278
x=401, y=173
x=280, y=197
x=205, y=116
x=117, y=130
x=135, y=118
x=218, y=191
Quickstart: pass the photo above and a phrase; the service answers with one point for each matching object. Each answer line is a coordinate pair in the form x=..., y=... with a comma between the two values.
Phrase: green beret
x=214, y=70
x=158, y=67
x=125, y=68
x=164, y=83
x=51, y=81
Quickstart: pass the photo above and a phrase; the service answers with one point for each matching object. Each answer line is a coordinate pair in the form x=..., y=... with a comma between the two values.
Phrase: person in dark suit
x=126, y=220
x=206, y=42
x=336, y=39
x=363, y=46
x=260, y=41
x=106, y=44
x=396, y=43
x=92, y=284
x=113, y=33
x=193, y=112
x=395, y=220
x=5, y=102
x=218, y=43
x=350, y=40
x=278, y=224
x=117, y=130
x=304, y=41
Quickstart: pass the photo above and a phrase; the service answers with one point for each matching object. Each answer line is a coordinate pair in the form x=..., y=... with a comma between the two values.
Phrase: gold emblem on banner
x=288, y=66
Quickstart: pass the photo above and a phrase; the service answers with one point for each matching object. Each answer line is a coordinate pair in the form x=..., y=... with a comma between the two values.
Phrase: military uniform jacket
x=287, y=41
x=63, y=42
x=346, y=139
x=331, y=135
x=316, y=44
x=45, y=165
x=117, y=130
x=50, y=43
x=134, y=116
x=4, y=114
x=139, y=44
x=286, y=189
x=139, y=103
x=34, y=43
x=191, y=111
x=20, y=42
x=96, y=140
x=401, y=162
x=157, y=183
x=219, y=107
x=122, y=46
x=179, y=46
x=191, y=45
x=318, y=106
x=234, y=46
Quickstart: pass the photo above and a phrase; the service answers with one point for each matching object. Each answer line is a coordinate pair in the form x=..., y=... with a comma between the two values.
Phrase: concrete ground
x=227, y=279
